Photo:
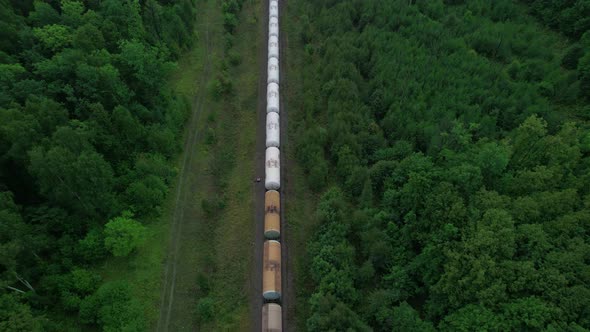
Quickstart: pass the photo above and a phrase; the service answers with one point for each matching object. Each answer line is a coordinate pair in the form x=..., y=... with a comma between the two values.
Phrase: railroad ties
x=272, y=320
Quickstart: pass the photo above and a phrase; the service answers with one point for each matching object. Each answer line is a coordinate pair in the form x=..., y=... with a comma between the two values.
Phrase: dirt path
x=259, y=190
x=184, y=188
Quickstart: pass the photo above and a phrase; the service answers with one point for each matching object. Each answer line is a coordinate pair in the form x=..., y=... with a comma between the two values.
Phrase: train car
x=273, y=130
x=273, y=10
x=273, y=27
x=273, y=70
x=273, y=47
x=272, y=318
x=272, y=98
x=273, y=169
x=271, y=271
x=272, y=214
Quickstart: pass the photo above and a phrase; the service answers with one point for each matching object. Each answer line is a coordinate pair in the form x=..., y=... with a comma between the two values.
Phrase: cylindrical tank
x=272, y=318
x=272, y=214
x=272, y=98
x=273, y=26
x=273, y=9
x=273, y=169
x=273, y=70
x=273, y=47
x=273, y=131
x=271, y=271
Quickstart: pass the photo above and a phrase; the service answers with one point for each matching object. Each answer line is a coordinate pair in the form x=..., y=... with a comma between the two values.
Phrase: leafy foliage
x=456, y=132
x=15, y=316
x=569, y=17
x=88, y=127
x=123, y=234
x=113, y=308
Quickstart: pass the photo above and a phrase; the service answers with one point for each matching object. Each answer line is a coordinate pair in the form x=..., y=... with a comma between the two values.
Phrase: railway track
x=273, y=115
x=259, y=190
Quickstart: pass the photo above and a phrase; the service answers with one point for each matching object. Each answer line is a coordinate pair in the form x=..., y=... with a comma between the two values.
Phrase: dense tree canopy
x=458, y=138
x=87, y=130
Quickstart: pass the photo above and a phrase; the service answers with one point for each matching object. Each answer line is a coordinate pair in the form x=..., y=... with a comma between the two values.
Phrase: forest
x=449, y=143
x=88, y=129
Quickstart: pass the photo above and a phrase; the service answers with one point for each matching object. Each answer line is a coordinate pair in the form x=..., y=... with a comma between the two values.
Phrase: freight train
x=272, y=320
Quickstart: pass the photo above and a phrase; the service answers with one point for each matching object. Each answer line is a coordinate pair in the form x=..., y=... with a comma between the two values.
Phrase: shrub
x=206, y=309
x=113, y=308
x=123, y=234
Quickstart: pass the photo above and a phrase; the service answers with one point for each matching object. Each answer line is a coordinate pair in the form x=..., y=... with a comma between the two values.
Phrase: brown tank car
x=272, y=214
x=272, y=320
x=271, y=270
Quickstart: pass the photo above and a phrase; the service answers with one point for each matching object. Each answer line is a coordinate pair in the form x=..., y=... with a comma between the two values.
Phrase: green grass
x=142, y=269
x=228, y=257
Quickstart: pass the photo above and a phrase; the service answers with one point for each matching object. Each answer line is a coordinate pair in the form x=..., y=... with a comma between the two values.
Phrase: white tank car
x=273, y=27
x=273, y=70
x=273, y=47
x=273, y=131
x=273, y=9
x=272, y=318
x=273, y=169
x=272, y=98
